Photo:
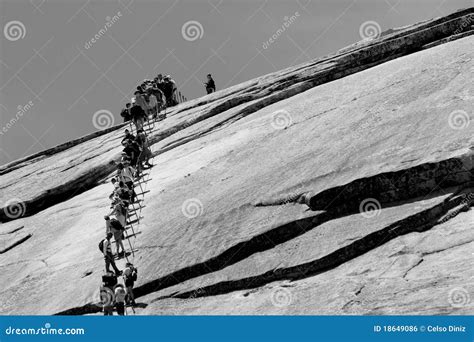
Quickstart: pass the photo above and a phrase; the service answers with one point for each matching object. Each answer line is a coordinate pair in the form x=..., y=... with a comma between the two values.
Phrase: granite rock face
x=341, y=186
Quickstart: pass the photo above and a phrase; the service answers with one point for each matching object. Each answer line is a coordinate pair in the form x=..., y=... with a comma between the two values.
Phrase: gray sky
x=46, y=68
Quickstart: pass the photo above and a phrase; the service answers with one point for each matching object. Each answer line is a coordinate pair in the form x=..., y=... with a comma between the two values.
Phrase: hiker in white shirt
x=108, y=256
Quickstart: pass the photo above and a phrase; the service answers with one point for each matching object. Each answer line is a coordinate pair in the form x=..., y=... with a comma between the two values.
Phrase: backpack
x=130, y=280
x=101, y=245
x=109, y=280
x=115, y=224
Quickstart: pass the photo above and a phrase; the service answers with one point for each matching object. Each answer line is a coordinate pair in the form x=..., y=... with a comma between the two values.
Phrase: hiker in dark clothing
x=210, y=85
x=131, y=151
x=168, y=91
x=159, y=81
x=160, y=97
x=125, y=113
x=138, y=115
x=129, y=277
x=128, y=136
x=125, y=194
x=146, y=154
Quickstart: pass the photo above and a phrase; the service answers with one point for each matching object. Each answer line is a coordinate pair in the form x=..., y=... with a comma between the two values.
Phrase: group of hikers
x=151, y=98
x=148, y=102
x=134, y=159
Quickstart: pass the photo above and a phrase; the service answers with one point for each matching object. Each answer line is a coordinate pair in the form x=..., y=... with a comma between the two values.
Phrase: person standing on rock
x=146, y=154
x=115, y=227
x=108, y=227
x=152, y=104
x=137, y=113
x=169, y=89
x=129, y=278
x=119, y=210
x=128, y=136
x=141, y=101
x=108, y=256
x=160, y=97
x=120, y=295
x=210, y=84
x=125, y=173
x=106, y=298
x=125, y=113
x=116, y=188
x=132, y=149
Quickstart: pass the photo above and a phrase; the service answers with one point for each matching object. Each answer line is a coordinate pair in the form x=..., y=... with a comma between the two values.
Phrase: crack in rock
x=419, y=222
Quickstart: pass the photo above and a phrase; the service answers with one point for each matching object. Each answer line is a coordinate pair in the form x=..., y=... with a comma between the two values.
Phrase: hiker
x=132, y=150
x=152, y=104
x=108, y=226
x=159, y=81
x=125, y=173
x=169, y=89
x=210, y=85
x=155, y=90
x=174, y=90
x=160, y=98
x=106, y=298
x=114, y=182
x=116, y=185
x=108, y=256
x=119, y=211
x=116, y=228
x=126, y=194
x=141, y=101
x=146, y=154
x=125, y=113
x=120, y=295
x=109, y=280
x=128, y=136
x=138, y=115
x=125, y=158
x=137, y=149
x=129, y=277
